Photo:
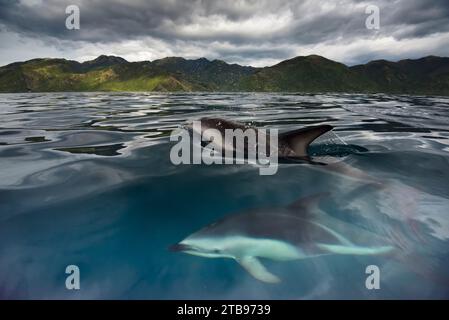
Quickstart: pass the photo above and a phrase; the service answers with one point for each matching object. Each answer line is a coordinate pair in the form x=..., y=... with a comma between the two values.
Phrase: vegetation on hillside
x=429, y=75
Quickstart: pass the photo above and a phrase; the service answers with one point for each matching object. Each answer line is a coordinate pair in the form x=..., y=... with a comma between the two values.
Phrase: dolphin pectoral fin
x=299, y=140
x=355, y=250
x=257, y=270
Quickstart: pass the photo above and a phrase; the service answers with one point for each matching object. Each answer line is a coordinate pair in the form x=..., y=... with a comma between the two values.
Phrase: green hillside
x=304, y=74
x=429, y=75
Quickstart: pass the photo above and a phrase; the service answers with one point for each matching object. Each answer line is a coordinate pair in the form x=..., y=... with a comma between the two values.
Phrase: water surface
x=86, y=179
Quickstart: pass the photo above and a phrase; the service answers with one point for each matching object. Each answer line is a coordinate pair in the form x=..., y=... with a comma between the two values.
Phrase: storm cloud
x=240, y=31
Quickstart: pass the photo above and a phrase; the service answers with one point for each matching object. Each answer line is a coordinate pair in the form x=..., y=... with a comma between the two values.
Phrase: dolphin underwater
x=295, y=232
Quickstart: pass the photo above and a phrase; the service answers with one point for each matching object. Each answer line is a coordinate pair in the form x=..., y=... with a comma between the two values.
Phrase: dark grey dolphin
x=291, y=145
x=298, y=231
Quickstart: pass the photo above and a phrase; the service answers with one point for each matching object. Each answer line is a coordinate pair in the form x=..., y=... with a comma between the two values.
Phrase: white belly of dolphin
x=263, y=248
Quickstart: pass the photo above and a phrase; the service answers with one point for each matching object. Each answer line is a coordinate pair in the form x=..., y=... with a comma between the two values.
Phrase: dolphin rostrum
x=280, y=234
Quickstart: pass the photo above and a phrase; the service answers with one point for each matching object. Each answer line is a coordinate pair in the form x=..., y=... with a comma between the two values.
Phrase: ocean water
x=86, y=180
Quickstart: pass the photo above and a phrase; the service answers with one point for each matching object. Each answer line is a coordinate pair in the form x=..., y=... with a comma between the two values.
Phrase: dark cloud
x=240, y=30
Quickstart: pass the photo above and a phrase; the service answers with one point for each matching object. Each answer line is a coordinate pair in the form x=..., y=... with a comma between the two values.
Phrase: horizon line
x=228, y=63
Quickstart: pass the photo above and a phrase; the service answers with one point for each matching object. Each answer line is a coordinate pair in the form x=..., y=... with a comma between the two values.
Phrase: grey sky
x=247, y=32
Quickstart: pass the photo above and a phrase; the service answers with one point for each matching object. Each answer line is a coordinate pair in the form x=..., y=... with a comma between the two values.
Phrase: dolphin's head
x=203, y=247
x=215, y=123
x=206, y=123
x=211, y=241
x=211, y=122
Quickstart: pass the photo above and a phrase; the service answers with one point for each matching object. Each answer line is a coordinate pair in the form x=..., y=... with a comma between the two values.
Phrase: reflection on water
x=108, y=150
x=86, y=179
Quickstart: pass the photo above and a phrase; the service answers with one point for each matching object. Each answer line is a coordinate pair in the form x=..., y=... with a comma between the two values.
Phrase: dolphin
x=293, y=148
x=291, y=145
x=298, y=231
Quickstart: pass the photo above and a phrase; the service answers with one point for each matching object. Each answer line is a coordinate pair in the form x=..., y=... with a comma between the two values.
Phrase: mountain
x=304, y=74
x=213, y=75
x=103, y=61
x=428, y=75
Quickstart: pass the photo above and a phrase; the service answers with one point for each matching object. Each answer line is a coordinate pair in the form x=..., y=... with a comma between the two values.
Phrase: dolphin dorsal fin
x=306, y=203
x=299, y=140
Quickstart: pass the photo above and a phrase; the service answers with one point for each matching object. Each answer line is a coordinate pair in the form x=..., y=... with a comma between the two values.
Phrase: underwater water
x=86, y=179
